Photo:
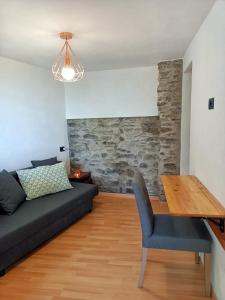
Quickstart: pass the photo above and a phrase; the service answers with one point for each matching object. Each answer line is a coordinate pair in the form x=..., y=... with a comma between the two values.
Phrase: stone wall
x=169, y=106
x=111, y=147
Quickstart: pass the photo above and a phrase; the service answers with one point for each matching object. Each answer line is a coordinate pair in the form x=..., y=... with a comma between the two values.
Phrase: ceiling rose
x=67, y=67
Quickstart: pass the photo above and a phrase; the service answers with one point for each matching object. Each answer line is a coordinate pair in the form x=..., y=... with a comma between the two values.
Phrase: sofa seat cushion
x=33, y=216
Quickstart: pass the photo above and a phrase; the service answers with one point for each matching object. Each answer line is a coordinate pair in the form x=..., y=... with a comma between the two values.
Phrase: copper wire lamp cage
x=67, y=67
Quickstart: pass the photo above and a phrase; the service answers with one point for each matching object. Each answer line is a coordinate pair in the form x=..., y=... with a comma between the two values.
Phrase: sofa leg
x=2, y=273
x=197, y=258
x=90, y=210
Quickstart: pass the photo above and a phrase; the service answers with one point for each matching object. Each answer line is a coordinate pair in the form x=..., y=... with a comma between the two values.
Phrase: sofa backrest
x=14, y=174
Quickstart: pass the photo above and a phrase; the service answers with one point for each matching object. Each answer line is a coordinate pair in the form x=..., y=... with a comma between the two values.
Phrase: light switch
x=211, y=103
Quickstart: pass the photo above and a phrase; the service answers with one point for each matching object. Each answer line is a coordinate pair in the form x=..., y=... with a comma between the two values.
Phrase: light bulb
x=68, y=72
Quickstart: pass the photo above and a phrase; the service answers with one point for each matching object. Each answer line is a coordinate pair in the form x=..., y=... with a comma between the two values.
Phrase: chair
x=171, y=233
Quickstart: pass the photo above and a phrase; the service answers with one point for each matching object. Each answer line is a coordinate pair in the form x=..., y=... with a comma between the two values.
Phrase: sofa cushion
x=45, y=162
x=33, y=216
x=44, y=180
x=11, y=193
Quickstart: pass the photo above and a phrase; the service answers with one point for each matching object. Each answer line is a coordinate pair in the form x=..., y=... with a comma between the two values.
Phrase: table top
x=83, y=175
x=187, y=196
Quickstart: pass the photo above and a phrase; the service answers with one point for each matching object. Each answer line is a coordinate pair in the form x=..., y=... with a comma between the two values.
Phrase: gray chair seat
x=179, y=233
x=34, y=215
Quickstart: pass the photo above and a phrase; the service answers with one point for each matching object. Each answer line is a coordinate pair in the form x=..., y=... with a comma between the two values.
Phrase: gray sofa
x=36, y=221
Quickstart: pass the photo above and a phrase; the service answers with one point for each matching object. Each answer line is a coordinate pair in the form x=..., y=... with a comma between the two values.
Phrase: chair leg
x=197, y=258
x=207, y=267
x=143, y=266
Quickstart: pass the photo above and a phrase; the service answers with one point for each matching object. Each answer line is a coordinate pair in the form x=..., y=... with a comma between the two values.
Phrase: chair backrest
x=144, y=205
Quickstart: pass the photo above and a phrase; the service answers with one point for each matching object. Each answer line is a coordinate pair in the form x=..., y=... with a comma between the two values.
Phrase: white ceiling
x=108, y=34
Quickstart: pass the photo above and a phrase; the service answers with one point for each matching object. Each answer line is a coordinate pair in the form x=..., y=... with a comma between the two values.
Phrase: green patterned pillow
x=44, y=180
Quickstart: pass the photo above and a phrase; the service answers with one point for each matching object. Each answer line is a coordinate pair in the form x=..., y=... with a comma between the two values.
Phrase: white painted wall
x=113, y=93
x=32, y=106
x=207, y=145
x=32, y=115
x=185, y=122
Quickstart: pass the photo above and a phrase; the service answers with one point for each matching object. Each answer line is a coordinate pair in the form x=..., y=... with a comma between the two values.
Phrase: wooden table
x=188, y=197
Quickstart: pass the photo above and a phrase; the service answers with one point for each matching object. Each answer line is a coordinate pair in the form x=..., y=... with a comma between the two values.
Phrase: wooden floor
x=98, y=258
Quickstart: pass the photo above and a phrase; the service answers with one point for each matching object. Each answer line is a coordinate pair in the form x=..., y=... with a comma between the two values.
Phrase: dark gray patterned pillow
x=45, y=162
x=11, y=193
